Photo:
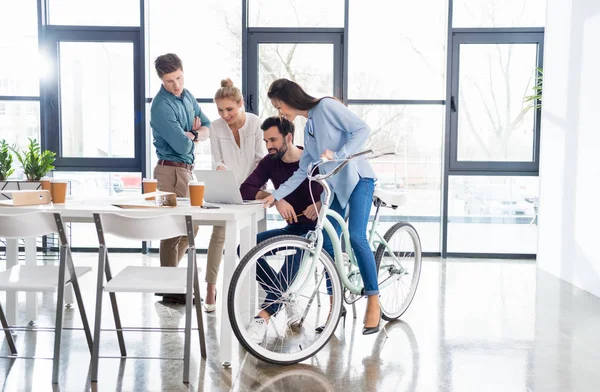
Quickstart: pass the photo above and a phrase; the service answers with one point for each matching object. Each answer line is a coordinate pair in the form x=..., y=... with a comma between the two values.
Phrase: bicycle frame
x=324, y=224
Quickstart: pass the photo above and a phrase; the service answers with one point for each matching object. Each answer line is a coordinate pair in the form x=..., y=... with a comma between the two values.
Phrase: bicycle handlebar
x=339, y=167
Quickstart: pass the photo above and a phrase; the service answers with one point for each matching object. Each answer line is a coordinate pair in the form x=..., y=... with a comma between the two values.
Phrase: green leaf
x=36, y=164
x=6, y=160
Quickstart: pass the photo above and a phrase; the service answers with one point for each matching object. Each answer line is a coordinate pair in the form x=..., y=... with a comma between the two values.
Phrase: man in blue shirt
x=177, y=125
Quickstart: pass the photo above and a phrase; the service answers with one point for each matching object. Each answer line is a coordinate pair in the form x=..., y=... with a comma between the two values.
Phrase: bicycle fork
x=312, y=297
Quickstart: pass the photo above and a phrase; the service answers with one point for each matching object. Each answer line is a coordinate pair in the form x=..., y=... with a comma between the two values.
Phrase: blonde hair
x=228, y=91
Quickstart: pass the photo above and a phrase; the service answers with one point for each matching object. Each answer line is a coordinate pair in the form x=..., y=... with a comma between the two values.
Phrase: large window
x=399, y=53
x=94, y=13
x=19, y=121
x=493, y=214
x=499, y=13
x=450, y=106
x=398, y=86
x=414, y=133
x=208, y=39
x=308, y=13
x=19, y=75
x=97, y=99
x=20, y=65
x=206, y=35
x=494, y=142
x=492, y=122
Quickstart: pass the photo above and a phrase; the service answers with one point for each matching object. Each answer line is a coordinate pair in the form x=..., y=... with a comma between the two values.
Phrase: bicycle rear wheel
x=279, y=274
x=399, y=269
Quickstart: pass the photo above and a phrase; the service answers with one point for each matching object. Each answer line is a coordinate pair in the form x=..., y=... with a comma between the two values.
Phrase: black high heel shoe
x=371, y=330
x=343, y=314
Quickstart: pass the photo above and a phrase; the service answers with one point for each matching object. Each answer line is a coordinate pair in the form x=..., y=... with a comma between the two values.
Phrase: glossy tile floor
x=475, y=325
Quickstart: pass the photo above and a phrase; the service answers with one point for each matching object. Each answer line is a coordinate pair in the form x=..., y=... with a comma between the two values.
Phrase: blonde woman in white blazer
x=237, y=144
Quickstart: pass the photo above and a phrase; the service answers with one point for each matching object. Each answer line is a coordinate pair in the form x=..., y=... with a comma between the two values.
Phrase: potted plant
x=35, y=163
x=535, y=100
x=6, y=161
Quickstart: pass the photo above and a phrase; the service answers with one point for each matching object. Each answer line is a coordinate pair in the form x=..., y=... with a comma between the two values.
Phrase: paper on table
x=163, y=200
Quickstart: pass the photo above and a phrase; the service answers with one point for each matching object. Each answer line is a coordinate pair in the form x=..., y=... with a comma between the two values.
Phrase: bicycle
x=306, y=272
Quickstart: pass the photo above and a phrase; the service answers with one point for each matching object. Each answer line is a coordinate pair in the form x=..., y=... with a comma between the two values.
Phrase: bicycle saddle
x=390, y=199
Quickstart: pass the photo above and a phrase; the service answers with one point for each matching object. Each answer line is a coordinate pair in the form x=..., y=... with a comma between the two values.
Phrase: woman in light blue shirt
x=334, y=132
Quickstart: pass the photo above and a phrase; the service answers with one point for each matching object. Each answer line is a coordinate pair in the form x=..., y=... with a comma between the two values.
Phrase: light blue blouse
x=332, y=126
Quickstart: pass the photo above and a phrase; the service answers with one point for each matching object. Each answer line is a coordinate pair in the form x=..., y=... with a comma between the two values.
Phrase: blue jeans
x=359, y=207
x=275, y=283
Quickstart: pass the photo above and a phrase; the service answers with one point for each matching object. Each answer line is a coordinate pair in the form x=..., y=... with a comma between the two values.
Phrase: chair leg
x=79, y=299
x=98, y=317
x=115, y=309
x=9, y=338
x=199, y=314
x=188, y=315
x=60, y=303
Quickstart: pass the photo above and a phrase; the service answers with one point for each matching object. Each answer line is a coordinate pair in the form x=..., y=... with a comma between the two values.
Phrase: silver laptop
x=220, y=186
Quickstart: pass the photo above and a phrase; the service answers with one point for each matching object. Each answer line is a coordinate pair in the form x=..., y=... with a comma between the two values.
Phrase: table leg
x=229, y=263
x=12, y=259
x=254, y=229
x=261, y=224
x=248, y=285
x=31, y=297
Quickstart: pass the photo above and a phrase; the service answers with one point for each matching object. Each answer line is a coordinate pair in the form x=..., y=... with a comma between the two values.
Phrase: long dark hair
x=292, y=94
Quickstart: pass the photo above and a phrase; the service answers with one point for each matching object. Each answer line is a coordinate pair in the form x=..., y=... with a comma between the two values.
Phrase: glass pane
x=493, y=124
x=19, y=68
x=207, y=38
x=99, y=184
x=493, y=214
x=94, y=13
x=97, y=99
x=19, y=121
x=308, y=13
x=399, y=53
x=499, y=13
x=295, y=62
x=416, y=131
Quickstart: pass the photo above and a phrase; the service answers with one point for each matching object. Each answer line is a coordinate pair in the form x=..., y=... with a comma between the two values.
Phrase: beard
x=279, y=153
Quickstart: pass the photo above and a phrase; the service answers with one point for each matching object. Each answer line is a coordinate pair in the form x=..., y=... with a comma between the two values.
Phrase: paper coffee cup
x=196, y=193
x=58, y=189
x=149, y=185
x=45, y=182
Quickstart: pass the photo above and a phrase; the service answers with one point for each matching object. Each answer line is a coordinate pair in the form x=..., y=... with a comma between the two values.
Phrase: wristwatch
x=195, y=133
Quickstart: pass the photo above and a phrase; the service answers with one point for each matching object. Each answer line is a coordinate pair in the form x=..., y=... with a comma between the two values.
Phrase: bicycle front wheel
x=399, y=269
x=281, y=276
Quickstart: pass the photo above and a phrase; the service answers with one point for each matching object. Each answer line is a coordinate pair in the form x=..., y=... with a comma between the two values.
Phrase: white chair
x=42, y=278
x=147, y=279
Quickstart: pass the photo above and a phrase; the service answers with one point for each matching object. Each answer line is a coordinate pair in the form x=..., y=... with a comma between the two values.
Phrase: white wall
x=569, y=224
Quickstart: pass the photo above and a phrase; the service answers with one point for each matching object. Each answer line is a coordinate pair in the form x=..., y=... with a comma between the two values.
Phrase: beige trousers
x=173, y=179
x=215, y=253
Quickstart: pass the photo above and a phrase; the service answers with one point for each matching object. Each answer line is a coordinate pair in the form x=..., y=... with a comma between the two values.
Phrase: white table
x=241, y=223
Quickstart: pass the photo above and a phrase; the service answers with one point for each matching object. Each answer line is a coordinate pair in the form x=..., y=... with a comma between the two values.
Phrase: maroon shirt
x=278, y=172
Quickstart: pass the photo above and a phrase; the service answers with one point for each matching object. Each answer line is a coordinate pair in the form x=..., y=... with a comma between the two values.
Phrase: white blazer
x=225, y=151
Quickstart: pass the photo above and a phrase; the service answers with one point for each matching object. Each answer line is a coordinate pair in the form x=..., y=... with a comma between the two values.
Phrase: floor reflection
x=474, y=325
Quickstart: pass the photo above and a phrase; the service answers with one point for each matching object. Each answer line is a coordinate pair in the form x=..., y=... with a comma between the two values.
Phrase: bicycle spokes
x=398, y=260
x=278, y=276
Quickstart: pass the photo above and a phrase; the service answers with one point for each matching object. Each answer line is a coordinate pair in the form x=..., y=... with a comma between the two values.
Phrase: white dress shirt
x=225, y=151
